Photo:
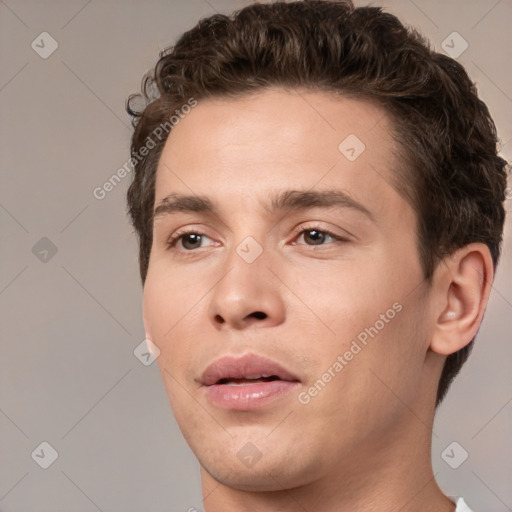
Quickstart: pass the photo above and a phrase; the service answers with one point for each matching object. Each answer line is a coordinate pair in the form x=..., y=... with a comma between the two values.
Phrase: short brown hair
x=450, y=170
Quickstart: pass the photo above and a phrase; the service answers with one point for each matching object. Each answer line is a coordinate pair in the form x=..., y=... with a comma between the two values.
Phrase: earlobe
x=152, y=346
x=145, y=320
x=463, y=283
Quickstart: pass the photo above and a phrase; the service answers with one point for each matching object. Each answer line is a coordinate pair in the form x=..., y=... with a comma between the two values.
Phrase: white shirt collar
x=461, y=505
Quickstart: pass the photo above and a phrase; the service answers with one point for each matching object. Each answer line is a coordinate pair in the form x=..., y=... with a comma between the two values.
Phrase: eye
x=318, y=236
x=190, y=240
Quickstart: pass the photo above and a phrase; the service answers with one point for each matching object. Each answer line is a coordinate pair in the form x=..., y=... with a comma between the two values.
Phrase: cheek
x=393, y=349
x=156, y=302
x=169, y=300
x=374, y=323
x=162, y=312
x=166, y=320
x=346, y=297
x=372, y=378
x=175, y=320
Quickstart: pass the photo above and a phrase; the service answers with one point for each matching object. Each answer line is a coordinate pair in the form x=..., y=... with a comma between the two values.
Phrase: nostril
x=259, y=314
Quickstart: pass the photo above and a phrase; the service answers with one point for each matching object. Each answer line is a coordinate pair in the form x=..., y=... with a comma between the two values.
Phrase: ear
x=144, y=314
x=463, y=284
x=145, y=317
x=152, y=346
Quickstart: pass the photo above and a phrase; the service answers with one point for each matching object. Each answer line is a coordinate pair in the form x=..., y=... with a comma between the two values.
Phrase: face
x=286, y=295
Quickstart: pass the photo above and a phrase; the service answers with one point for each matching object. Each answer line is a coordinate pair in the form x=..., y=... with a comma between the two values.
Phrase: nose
x=248, y=295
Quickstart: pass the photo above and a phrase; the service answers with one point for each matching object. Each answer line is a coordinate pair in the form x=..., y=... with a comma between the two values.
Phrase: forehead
x=255, y=145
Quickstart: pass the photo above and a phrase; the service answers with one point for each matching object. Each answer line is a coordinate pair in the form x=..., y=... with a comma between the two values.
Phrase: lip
x=246, y=396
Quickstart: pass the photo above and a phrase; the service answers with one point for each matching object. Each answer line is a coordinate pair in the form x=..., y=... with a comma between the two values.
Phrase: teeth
x=232, y=381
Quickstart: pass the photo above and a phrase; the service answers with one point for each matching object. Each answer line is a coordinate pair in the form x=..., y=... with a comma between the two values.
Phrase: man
x=319, y=206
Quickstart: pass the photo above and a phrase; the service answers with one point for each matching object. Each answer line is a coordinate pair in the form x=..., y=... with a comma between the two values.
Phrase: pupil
x=191, y=238
x=318, y=237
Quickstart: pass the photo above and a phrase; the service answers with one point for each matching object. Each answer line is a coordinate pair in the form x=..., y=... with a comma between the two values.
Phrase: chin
x=260, y=478
x=273, y=469
x=244, y=479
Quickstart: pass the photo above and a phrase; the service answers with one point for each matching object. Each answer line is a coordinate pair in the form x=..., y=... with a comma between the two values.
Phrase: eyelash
x=174, y=239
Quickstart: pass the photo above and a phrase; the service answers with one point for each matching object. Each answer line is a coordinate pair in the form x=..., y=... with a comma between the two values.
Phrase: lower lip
x=248, y=396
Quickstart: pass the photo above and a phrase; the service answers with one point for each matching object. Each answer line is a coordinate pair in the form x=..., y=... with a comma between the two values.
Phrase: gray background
x=70, y=324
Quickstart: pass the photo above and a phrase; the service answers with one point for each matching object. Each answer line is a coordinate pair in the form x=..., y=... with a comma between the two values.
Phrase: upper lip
x=233, y=367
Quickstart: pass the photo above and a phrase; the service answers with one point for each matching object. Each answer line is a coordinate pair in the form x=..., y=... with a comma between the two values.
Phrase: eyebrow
x=284, y=201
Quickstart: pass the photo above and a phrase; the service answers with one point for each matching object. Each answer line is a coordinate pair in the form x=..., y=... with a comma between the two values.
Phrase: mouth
x=250, y=379
x=247, y=382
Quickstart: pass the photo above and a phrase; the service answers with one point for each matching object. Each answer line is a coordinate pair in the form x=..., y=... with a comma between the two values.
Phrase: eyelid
x=312, y=226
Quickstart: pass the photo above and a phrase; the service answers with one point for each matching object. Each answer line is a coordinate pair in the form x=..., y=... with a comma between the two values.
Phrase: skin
x=363, y=442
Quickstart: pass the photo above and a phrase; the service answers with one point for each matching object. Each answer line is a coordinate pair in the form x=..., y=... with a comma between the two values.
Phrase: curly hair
x=449, y=169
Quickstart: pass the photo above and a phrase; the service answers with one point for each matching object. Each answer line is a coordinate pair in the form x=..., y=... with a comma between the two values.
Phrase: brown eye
x=317, y=237
x=190, y=240
x=313, y=236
